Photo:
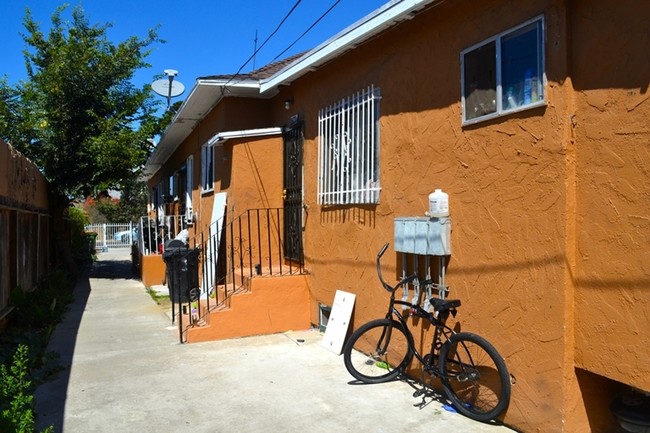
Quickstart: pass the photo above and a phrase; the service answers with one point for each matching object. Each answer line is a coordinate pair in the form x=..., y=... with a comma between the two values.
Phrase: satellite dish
x=167, y=88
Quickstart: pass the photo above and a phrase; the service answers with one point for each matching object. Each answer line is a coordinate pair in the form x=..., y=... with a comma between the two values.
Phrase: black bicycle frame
x=440, y=324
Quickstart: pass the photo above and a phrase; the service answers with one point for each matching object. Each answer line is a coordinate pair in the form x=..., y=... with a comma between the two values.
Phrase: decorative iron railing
x=230, y=254
x=151, y=234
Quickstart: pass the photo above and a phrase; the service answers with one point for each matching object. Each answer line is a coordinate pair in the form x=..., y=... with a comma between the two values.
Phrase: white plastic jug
x=438, y=204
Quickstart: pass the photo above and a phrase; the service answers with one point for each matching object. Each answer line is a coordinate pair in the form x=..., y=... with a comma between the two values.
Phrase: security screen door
x=292, y=193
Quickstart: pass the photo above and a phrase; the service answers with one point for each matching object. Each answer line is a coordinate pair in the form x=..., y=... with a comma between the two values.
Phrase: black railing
x=232, y=253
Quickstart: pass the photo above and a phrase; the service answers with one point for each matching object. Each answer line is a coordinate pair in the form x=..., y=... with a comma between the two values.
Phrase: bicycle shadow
x=429, y=393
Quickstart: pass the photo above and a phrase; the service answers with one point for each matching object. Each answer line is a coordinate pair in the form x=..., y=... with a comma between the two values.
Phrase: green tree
x=130, y=207
x=77, y=116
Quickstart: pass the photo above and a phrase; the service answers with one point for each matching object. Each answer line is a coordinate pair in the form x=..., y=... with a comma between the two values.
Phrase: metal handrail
x=232, y=253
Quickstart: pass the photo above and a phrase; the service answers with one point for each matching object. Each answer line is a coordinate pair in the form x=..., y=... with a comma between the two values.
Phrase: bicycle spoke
x=377, y=351
x=475, y=377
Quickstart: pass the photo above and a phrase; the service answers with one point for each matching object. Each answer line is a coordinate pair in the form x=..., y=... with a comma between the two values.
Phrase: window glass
x=207, y=168
x=505, y=73
x=521, y=67
x=189, y=187
x=172, y=187
x=480, y=81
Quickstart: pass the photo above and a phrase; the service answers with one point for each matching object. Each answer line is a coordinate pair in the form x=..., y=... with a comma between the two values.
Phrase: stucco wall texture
x=612, y=160
x=549, y=214
x=507, y=186
x=549, y=205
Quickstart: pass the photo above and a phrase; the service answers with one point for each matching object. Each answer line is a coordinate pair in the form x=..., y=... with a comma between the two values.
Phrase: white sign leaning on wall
x=339, y=320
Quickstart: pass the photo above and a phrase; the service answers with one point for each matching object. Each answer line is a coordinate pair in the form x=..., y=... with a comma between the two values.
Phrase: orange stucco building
x=544, y=153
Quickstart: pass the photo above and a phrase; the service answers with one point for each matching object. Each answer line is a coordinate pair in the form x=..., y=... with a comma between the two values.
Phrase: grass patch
x=157, y=297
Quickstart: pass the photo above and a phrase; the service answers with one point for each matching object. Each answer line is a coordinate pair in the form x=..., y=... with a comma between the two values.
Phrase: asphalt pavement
x=124, y=370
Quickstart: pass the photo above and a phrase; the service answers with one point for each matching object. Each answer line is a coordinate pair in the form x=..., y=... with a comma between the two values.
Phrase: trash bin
x=91, y=239
x=182, y=271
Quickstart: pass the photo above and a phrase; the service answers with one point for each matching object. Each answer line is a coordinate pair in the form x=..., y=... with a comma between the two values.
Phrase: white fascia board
x=347, y=39
x=245, y=133
x=180, y=112
x=230, y=84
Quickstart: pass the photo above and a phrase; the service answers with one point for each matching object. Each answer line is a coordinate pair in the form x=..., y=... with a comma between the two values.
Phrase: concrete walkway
x=126, y=372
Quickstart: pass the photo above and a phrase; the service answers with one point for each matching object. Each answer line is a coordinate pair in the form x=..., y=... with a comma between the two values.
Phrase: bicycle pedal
x=418, y=393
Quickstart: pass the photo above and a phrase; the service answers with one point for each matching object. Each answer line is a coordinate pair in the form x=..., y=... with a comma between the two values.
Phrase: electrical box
x=422, y=235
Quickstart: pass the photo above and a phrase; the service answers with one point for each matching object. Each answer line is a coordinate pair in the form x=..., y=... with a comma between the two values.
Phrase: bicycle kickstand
x=422, y=392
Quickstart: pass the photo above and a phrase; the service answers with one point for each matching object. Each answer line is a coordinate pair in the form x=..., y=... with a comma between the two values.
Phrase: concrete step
x=268, y=305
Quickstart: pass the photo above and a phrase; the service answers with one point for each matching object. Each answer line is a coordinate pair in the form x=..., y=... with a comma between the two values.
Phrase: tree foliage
x=130, y=207
x=78, y=116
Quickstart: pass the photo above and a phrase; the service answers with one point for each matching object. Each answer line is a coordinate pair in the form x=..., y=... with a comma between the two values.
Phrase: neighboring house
x=531, y=115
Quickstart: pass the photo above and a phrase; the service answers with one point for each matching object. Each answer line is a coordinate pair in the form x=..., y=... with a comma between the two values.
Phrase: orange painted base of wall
x=152, y=270
x=273, y=304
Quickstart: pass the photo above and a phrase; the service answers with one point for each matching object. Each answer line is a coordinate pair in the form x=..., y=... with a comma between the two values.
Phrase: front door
x=292, y=194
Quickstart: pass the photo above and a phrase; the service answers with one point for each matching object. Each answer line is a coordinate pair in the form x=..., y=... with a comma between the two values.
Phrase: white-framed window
x=151, y=203
x=189, y=185
x=348, y=150
x=160, y=202
x=172, y=195
x=504, y=74
x=207, y=168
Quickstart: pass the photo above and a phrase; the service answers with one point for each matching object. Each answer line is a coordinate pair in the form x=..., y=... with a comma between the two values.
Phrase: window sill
x=504, y=113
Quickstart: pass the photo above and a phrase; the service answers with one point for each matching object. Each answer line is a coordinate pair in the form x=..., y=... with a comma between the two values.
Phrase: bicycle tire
x=373, y=355
x=474, y=376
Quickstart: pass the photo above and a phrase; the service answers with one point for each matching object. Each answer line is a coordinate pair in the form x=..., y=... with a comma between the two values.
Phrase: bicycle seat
x=444, y=304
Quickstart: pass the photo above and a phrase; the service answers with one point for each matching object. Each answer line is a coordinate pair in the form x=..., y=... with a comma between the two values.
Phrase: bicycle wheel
x=474, y=376
x=378, y=351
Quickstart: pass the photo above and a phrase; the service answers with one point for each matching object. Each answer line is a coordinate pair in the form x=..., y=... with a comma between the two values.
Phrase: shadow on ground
x=63, y=343
x=52, y=394
x=113, y=269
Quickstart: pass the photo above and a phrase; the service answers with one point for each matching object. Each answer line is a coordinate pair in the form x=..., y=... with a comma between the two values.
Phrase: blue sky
x=203, y=37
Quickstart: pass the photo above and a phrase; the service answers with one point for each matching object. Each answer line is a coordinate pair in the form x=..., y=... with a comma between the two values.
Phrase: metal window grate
x=348, y=154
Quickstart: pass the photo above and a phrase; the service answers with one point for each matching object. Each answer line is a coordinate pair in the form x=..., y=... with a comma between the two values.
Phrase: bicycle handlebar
x=387, y=286
x=382, y=251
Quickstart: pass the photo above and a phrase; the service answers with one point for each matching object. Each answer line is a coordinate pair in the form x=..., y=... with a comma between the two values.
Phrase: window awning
x=224, y=136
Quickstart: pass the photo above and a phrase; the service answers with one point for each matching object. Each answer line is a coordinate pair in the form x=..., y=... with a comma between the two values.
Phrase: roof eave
x=364, y=29
x=208, y=92
x=204, y=96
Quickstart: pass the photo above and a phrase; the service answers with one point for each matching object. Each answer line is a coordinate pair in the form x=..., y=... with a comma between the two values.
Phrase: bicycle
x=474, y=376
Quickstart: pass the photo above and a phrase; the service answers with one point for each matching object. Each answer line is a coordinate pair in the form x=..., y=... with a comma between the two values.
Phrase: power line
x=265, y=41
x=257, y=49
x=307, y=31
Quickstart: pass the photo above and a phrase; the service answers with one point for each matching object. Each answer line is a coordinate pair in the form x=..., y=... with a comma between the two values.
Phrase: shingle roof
x=262, y=73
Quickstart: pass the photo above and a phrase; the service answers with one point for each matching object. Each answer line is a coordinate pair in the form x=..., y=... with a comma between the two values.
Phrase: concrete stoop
x=271, y=304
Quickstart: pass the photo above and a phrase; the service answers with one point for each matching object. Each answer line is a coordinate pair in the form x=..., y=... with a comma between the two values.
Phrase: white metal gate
x=115, y=235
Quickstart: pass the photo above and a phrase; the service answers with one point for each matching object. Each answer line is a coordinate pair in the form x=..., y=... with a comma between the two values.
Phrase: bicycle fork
x=384, y=340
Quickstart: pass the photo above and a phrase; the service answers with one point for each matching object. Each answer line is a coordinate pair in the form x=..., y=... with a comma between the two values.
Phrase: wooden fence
x=25, y=225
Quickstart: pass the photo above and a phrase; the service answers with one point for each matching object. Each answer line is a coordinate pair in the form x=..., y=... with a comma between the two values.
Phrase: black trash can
x=182, y=271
